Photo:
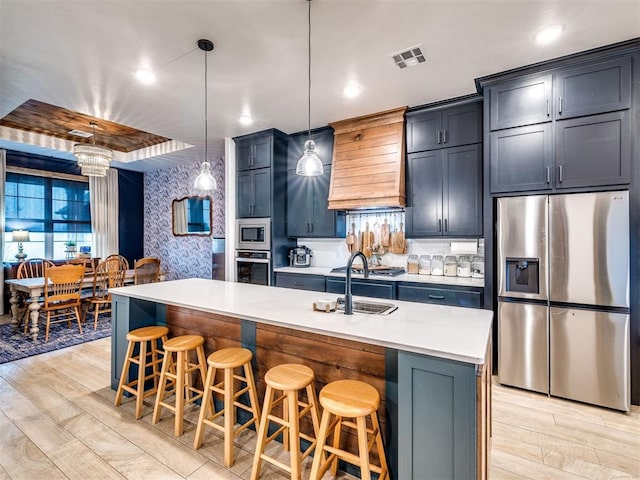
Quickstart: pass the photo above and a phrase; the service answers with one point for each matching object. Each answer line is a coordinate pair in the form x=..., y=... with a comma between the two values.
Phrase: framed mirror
x=192, y=216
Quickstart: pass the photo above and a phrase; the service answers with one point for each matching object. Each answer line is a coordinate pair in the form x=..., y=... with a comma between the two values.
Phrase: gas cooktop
x=388, y=271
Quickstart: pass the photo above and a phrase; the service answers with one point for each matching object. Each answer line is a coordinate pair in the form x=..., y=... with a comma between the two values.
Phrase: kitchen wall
x=182, y=257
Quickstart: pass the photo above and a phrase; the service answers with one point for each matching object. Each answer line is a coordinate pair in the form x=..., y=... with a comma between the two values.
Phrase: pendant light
x=309, y=164
x=205, y=181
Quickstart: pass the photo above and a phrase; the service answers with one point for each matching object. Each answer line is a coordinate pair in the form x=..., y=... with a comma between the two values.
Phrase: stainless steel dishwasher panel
x=590, y=357
x=523, y=346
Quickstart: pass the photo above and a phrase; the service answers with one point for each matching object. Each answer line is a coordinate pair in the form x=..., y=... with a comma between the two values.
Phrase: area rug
x=14, y=346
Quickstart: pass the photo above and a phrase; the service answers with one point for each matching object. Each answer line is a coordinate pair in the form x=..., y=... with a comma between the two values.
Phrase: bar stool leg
x=161, y=387
x=294, y=433
x=365, y=473
x=318, y=456
x=253, y=392
x=125, y=370
x=229, y=416
x=180, y=393
x=204, y=409
x=380, y=446
x=142, y=357
x=262, y=433
x=337, y=430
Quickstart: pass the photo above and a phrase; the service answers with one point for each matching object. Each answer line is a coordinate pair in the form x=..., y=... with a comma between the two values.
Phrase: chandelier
x=93, y=159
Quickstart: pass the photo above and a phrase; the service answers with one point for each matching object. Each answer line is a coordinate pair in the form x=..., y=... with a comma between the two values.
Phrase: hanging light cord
x=309, y=72
x=206, y=116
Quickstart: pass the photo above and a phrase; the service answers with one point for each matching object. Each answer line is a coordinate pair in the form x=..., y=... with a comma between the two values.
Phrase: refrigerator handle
x=560, y=173
x=548, y=174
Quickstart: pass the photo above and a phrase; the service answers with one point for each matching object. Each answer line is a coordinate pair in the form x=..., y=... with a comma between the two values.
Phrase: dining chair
x=146, y=270
x=62, y=295
x=87, y=263
x=32, y=268
x=108, y=274
x=124, y=262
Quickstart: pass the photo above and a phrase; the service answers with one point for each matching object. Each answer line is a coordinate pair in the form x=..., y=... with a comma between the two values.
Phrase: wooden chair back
x=33, y=268
x=124, y=262
x=62, y=285
x=108, y=274
x=87, y=263
x=146, y=270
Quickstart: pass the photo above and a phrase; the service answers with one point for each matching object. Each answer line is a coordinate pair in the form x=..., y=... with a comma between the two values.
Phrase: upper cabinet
x=444, y=171
x=261, y=174
x=441, y=128
x=564, y=128
x=254, y=152
x=307, y=197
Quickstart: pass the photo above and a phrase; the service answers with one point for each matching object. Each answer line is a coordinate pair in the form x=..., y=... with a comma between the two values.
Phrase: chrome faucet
x=348, y=300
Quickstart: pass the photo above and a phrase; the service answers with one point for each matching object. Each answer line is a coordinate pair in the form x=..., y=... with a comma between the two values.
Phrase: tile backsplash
x=332, y=252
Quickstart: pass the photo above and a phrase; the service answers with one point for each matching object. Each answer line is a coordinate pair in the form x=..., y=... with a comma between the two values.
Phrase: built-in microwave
x=253, y=234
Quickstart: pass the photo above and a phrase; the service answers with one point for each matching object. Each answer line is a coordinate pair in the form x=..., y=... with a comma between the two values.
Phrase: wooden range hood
x=368, y=162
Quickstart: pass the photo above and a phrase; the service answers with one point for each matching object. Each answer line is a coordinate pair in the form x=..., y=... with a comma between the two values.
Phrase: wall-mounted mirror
x=192, y=216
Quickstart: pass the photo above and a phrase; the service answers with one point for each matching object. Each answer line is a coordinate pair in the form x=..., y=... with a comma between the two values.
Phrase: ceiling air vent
x=80, y=133
x=409, y=57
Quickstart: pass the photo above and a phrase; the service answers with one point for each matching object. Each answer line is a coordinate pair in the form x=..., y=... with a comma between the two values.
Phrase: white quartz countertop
x=405, y=277
x=453, y=333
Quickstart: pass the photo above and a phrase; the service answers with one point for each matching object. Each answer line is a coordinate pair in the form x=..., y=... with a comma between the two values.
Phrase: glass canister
x=477, y=267
x=464, y=266
x=450, y=266
x=425, y=265
x=437, y=265
x=413, y=264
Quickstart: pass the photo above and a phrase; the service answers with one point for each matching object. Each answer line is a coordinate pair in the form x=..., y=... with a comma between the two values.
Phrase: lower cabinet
x=362, y=287
x=300, y=281
x=443, y=403
x=471, y=297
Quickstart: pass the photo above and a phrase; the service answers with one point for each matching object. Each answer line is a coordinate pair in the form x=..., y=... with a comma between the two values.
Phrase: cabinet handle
x=439, y=225
x=446, y=225
x=560, y=173
x=548, y=111
x=439, y=137
x=299, y=284
x=559, y=104
x=444, y=135
x=311, y=227
x=308, y=227
x=548, y=174
x=436, y=297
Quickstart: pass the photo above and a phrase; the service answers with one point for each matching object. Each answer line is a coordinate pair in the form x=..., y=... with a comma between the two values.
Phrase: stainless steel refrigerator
x=563, y=295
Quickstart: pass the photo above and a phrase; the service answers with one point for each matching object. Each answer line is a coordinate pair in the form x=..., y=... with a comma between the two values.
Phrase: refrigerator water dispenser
x=523, y=274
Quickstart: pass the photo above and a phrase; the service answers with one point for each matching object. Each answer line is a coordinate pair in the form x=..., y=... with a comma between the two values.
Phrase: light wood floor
x=57, y=420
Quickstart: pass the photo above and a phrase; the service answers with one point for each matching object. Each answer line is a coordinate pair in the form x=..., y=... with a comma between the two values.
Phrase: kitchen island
x=429, y=362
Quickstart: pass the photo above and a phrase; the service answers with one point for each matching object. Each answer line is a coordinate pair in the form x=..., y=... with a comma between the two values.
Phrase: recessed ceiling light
x=145, y=76
x=352, y=90
x=548, y=34
x=246, y=119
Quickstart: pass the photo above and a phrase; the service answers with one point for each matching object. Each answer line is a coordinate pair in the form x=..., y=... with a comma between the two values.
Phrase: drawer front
x=300, y=282
x=362, y=287
x=442, y=296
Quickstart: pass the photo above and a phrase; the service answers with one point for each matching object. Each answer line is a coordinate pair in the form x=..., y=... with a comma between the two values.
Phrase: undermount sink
x=374, y=308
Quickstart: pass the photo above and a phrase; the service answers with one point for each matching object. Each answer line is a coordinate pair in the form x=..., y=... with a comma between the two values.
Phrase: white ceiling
x=81, y=55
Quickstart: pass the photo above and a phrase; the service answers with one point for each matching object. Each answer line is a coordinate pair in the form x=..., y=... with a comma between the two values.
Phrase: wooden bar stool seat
x=228, y=360
x=149, y=356
x=350, y=399
x=290, y=379
x=177, y=373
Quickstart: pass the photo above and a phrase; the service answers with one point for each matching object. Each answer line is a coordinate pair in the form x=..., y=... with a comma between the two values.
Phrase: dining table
x=34, y=287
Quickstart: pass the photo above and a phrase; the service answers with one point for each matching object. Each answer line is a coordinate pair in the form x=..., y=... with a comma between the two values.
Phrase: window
x=53, y=210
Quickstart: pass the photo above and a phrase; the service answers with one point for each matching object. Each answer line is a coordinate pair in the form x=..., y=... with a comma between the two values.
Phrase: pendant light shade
x=93, y=159
x=309, y=164
x=205, y=181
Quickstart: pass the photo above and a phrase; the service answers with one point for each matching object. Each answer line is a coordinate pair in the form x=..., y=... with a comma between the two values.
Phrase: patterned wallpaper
x=182, y=257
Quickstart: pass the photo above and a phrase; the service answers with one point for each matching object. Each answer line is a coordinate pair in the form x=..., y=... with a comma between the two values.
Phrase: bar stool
x=228, y=359
x=349, y=399
x=179, y=371
x=290, y=379
x=149, y=355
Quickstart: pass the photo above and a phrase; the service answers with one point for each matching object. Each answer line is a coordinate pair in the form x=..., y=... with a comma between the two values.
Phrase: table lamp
x=20, y=236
